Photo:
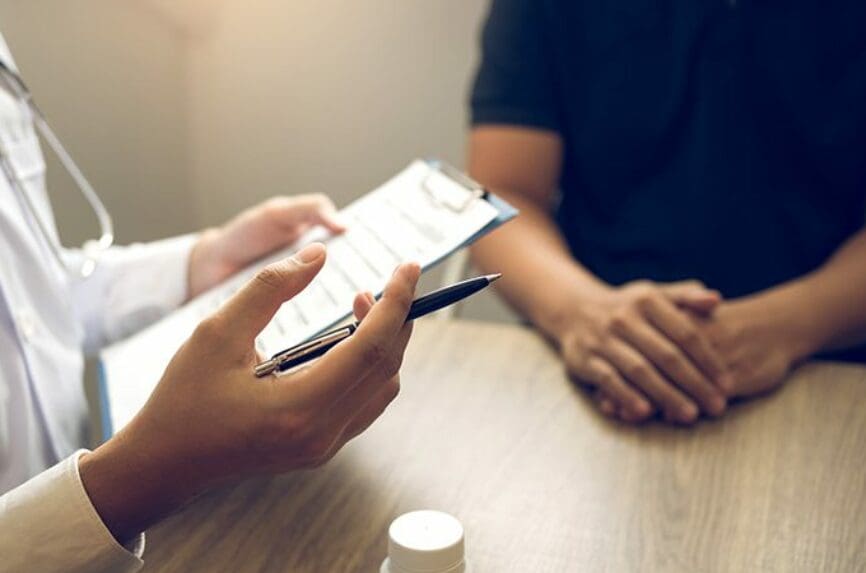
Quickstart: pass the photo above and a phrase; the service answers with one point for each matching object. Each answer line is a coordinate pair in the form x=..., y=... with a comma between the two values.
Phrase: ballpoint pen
x=306, y=351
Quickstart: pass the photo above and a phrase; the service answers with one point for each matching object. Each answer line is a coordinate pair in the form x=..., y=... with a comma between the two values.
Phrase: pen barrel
x=306, y=351
x=311, y=355
x=439, y=300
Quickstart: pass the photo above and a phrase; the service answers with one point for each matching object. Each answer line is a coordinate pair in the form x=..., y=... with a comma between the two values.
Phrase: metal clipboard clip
x=474, y=189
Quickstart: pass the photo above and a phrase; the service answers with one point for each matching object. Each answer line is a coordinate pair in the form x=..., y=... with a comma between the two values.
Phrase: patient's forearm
x=826, y=309
x=540, y=277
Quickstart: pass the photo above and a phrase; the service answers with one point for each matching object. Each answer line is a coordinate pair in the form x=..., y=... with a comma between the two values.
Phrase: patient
x=692, y=181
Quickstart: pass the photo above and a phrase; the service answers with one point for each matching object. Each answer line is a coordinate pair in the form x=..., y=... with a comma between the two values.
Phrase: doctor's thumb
x=251, y=309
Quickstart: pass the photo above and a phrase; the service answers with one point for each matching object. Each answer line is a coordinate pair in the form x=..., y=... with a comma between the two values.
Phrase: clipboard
x=476, y=192
x=438, y=197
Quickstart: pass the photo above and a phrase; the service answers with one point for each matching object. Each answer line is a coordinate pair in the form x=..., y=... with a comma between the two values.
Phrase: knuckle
x=605, y=377
x=589, y=345
x=274, y=206
x=316, y=450
x=272, y=276
x=620, y=321
x=392, y=390
x=211, y=328
x=580, y=360
x=641, y=285
x=646, y=299
x=323, y=459
x=689, y=337
x=320, y=199
x=373, y=351
x=638, y=371
x=669, y=359
x=315, y=460
x=295, y=427
x=393, y=363
x=592, y=348
x=402, y=297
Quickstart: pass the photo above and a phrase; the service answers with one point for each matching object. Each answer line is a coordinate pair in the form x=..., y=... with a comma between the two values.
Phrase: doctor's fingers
x=329, y=426
x=246, y=314
x=336, y=434
x=348, y=406
x=373, y=409
x=340, y=410
x=362, y=305
x=376, y=347
x=287, y=213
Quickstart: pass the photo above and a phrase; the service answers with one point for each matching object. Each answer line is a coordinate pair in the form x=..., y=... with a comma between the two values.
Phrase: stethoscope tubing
x=92, y=250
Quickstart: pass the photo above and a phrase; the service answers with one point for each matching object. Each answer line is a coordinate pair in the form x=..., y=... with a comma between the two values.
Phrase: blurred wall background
x=325, y=95
x=110, y=76
x=183, y=112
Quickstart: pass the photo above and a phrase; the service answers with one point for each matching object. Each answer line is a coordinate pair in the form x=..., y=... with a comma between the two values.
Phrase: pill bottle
x=425, y=542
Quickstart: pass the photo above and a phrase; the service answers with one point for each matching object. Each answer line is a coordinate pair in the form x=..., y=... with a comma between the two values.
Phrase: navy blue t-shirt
x=718, y=140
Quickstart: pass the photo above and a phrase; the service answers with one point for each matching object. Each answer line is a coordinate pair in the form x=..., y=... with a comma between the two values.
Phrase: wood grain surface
x=488, y=428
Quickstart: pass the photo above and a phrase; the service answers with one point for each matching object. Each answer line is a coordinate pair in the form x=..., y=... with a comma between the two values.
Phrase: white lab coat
x=47, y=321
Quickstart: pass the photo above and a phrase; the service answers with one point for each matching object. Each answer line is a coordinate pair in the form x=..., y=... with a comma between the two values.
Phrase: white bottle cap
x=425, y=542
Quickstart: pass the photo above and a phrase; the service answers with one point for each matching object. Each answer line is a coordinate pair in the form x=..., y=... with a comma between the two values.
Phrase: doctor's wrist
x=204, y=271
x=133, y=488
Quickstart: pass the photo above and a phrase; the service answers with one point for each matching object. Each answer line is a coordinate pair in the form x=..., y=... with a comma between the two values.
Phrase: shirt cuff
x=132, y=288
x=50, y=525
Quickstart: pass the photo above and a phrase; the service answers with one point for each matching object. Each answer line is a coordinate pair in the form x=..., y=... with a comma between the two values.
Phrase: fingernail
x=370, y=298
x=310, y=254
x=688, y=413
x=413, y=268
x=641, y=408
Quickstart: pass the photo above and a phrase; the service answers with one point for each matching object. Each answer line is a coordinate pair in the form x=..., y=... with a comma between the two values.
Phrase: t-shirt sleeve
x=515, y=83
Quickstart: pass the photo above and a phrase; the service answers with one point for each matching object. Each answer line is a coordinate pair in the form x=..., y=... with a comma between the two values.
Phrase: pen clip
x=279, y=361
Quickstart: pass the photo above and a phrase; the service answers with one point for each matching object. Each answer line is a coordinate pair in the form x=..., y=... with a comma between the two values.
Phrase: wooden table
x=488, y=428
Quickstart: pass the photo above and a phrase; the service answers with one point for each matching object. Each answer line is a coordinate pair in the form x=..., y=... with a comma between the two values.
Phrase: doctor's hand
x=255, y=233
x=638, y=347
x=211, y=421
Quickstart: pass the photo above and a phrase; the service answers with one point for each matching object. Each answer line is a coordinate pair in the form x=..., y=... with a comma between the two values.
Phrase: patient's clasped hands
x=677, y=350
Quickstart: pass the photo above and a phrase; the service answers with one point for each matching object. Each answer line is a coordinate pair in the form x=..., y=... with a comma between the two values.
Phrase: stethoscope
x=92, y=250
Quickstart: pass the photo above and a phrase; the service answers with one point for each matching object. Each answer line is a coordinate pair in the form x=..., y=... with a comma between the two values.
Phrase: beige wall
x=209, y=106
x=110, y=75
x=325, y=95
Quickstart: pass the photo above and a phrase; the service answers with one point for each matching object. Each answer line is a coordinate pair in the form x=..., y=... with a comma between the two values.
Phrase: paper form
x=406, y=219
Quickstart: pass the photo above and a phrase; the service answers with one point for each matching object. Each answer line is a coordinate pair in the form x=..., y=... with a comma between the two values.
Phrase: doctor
x=209, y=420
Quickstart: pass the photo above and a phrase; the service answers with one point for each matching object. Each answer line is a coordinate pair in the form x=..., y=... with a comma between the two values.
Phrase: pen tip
x=493, y=278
